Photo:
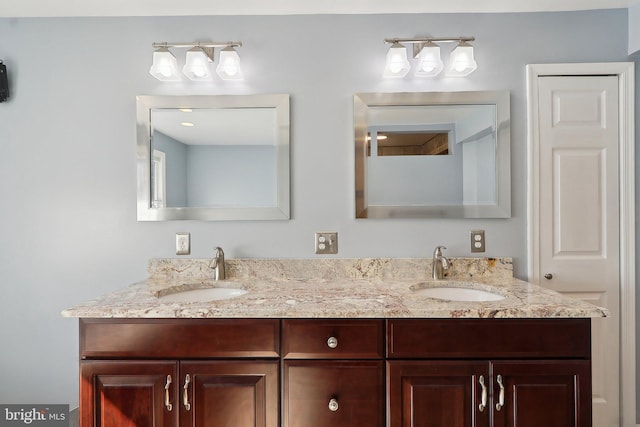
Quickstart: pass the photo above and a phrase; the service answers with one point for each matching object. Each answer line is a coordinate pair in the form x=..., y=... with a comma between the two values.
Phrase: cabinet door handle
x=332, y=342
x=483, y=398
x=333, y=405
x=185, y=394
x=500, y=403
x=167, y=399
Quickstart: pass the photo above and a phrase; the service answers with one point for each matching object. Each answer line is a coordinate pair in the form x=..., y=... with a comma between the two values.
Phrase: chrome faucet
x=440, y=264
x=217, y=263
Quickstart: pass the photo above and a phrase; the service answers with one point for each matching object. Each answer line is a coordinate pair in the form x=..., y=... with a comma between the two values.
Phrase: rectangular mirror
x=217, y=157
x=432, y=155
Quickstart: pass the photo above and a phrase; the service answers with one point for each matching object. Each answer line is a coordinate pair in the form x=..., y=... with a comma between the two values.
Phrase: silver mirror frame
x=501, y=209
x=144, y=105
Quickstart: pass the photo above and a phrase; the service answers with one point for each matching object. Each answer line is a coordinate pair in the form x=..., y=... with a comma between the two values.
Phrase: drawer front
x=332, y=339
x=181, y=338
x=333, y=393
x=488, y=338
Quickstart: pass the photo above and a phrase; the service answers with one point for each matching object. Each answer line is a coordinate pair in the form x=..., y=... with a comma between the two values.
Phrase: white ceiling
x=50, y=8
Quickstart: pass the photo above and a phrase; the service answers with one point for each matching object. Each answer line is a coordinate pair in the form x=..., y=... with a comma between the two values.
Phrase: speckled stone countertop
x=333, y=288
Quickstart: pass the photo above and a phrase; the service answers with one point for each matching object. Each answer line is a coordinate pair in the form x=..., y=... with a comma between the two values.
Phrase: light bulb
x=430, y=62
x=164, y=66
x=461, y=62
x=196, y=65
x=397, y=63
x=229, y=66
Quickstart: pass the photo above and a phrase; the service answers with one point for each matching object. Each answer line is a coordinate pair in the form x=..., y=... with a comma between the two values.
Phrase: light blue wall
x=634, y=28
x=231, y=175
x=175, y=168
x=68, y=170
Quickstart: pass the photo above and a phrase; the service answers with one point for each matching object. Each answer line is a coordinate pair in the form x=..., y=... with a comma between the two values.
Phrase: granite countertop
x=360, y=288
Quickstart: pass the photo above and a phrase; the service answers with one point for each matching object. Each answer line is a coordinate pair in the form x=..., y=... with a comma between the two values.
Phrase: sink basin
x=458, y=294
x=203, y=295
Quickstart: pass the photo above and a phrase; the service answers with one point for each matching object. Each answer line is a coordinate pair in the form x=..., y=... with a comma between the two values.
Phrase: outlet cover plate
x=477, y=241
x=183, y=243
x=326, y=242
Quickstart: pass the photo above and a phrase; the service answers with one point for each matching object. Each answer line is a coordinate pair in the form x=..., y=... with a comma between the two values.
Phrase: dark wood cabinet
x=234, y=381
x=344, y=393
x=550, y=393
x=234, y=393
x=335, y=372
x=128, y=393
x=438, y=393
x=433, y=381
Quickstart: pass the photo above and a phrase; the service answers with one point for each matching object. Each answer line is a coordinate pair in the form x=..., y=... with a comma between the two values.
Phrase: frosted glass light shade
x=397, y=63
x=229, y=65
x=430, y=64
x=196, y=65
x=461, y=61
x=164, y=66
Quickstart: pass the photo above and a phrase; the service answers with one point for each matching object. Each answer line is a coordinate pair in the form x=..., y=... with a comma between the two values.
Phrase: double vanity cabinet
x=316, y=372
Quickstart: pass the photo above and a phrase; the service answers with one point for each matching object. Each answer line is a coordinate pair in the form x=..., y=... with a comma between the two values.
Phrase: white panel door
x=579, y=214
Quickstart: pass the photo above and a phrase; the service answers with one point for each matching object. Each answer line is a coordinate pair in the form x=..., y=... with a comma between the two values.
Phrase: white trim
x=626, y=74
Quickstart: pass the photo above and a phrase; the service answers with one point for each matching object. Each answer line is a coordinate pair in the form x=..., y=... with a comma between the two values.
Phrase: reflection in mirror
x=411, y=143
x=432, y=155
x=213, y=157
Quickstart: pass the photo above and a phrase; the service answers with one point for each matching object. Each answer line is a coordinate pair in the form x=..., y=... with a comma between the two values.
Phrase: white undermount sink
x=457, y=293
x=202, y=295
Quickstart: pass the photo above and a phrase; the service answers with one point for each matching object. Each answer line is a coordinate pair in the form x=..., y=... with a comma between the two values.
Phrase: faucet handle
x=438, y=250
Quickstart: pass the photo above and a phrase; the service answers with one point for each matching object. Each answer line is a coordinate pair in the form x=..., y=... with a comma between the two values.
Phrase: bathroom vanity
x=358, y=345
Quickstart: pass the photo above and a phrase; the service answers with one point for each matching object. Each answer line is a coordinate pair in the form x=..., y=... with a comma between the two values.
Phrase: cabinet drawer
x=342, y=393
x=333, y=339
x=179, y=338
x=489, y=338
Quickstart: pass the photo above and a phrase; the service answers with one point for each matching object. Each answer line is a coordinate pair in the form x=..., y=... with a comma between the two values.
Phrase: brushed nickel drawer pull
x=167, y=400
x=500, y=403
x=333, y=405
x=185, y=395
x=483, y=403
x=332, y=342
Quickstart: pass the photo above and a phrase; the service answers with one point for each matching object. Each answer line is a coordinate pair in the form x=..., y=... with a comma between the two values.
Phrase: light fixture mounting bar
x=419, y=42
x=197, y=44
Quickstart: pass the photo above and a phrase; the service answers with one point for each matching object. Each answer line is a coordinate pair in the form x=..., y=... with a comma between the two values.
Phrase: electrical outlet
x=183, y=243
x=327, y=242
x=477, y=240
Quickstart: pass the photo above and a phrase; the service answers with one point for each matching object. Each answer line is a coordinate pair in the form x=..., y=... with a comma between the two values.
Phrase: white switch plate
x=183, y=243
x=327, y=242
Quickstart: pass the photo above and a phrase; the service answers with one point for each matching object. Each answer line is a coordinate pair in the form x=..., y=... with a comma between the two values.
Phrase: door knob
x=548, y=276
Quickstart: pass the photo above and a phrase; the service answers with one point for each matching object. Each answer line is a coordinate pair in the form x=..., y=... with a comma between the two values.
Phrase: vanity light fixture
x=229, y=65
x=461, y=61
x=397, y=63
x=198, y=59
x=196, y=65
x=165, y=66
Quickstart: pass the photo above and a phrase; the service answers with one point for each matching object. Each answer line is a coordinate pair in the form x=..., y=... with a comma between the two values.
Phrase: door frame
x=626, y=75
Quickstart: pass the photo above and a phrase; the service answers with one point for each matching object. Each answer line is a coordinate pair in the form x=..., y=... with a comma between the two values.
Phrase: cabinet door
x=229, y=393
x=438, y=393
x=553, y=393
x=128, y=394
x=333, y=393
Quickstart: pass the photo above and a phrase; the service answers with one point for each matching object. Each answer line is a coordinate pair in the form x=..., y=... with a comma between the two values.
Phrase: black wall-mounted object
x=4, y=83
